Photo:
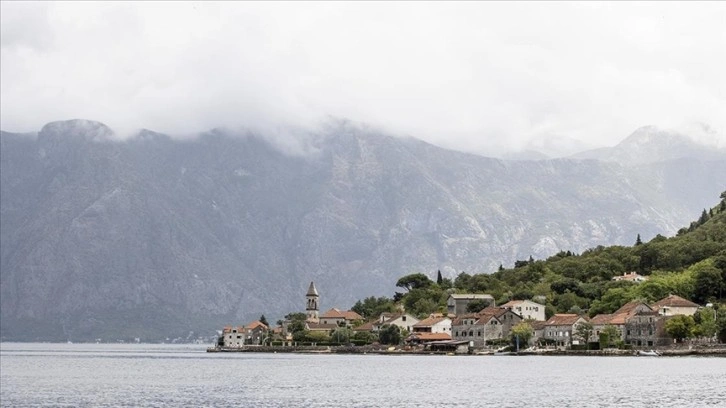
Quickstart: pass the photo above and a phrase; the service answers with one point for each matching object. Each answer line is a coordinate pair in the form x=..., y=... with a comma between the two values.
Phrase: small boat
x=649, y=353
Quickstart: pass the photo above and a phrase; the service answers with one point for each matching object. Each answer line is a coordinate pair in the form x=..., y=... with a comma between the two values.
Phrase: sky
x=472, y=76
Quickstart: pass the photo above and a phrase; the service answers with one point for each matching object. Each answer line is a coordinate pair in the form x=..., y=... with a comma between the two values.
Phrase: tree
x=297, y=324
x=708, y=284
x=523, y=332
x=638, y=241
x=703, y=218
x=680, y=327
x=373, y=306
x=609, y=335
x=341, y=335
x=439, y=278
x=389, y=334
x=414, y=281
x=476, y=305
x=584, y=332
x=705, y=323
x=263, y=320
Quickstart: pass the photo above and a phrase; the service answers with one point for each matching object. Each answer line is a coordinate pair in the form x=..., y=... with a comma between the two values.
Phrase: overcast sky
x=471, y=76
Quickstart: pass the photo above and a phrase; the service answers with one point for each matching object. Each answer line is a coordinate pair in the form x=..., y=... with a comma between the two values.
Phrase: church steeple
x=312, y=308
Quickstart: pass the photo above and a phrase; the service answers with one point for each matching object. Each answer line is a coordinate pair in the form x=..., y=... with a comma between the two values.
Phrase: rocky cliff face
x=154, y=237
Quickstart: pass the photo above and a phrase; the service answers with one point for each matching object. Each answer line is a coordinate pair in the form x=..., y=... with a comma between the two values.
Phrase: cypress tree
x=638, y=241
x=703, y=218
x=439, y=278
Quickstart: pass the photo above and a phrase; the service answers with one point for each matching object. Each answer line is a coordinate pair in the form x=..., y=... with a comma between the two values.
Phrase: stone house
x=646, y=329
x=256, y=332
x=476, y=329
x=507, y=318
x=561, y=327
x=456, y=303
x=528, y=309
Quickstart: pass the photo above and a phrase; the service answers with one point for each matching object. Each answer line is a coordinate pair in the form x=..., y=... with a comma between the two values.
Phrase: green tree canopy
x=414, y=281
x=372, y=306
x=583, y=331
x=609, y=335
x=524, y=331
x=680, y=327
x=389, y=334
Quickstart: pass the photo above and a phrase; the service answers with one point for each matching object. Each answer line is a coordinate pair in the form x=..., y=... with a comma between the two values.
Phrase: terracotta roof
x=458, y=319
x=537, y=324
x=351, y=315
x=630, y=307
x=366, y=326
x=673, y=301
x=256, y=324
x=495, y=311
x=602, y=319
x=429, y=322
x=429, y=336
x=563, y=320
x=321, y=327
x=333, y=314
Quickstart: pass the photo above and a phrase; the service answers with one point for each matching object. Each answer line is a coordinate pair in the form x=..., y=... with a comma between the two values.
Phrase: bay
x=143, y=375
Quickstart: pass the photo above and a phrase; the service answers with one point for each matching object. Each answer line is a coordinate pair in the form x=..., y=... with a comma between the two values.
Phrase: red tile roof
x=333, y=314
x=673, y=301
x=429, y=336
x=429, y=322
x=602, y=319
x=563, y=320
x=256, y=324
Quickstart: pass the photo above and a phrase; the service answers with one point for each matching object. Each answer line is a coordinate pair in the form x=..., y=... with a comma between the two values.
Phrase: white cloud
x=472, y=76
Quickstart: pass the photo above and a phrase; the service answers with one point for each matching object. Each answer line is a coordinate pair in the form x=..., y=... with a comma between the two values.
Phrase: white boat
x=649, y=353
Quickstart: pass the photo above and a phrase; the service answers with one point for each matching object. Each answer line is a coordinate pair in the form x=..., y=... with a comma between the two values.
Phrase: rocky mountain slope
x=154, y=237
x=650, y=144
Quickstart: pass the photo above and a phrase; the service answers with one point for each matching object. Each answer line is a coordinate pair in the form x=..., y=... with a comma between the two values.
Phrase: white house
x=438, y=324
x=404, y=321
x=675, y=305
x=527, y=309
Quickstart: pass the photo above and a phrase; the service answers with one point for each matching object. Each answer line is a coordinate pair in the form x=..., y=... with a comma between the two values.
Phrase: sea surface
x=139, y=375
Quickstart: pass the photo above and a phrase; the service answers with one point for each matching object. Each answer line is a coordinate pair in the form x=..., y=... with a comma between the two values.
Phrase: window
x=403, y=318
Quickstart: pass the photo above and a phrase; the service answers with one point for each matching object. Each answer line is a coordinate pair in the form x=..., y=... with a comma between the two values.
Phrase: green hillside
x=691, y=265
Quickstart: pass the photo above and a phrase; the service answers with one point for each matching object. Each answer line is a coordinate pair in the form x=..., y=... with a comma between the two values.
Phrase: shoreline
x=714, y=352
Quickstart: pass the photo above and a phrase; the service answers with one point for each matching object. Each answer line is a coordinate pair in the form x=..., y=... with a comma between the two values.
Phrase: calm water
x=91, y=375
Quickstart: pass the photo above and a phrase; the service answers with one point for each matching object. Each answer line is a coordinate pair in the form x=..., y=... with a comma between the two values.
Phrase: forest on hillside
x=691, y=264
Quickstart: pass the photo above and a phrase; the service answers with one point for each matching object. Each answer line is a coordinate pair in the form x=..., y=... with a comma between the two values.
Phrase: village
x=518, y=325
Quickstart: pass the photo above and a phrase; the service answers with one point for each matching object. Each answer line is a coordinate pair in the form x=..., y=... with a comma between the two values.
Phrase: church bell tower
x=312, y=307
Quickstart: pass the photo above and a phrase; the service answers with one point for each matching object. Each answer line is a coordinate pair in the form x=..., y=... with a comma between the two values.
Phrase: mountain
x=650, y=144
x=154, y=237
